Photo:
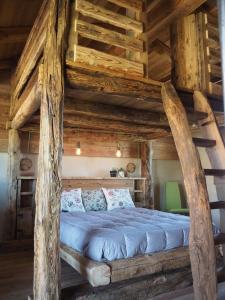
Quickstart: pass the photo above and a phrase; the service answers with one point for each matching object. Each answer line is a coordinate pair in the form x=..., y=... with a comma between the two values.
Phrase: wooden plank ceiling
x=17, y=18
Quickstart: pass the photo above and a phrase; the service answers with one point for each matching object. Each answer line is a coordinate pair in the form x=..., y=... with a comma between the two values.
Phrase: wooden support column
x=13, y=172
x=146, y=171
x=48, y=189
x=189, y=56
x=201, y=242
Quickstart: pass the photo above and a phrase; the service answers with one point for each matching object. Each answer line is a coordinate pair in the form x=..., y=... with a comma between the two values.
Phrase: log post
x=13, y=172
x=189, y=53
x=201, y=242
x=146, y=171
x=48, y=189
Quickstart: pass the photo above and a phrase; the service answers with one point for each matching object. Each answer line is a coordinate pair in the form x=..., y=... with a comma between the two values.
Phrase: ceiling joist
x=13, y=35
x=164, y=13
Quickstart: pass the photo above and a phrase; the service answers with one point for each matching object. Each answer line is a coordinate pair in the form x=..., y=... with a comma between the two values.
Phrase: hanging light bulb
x=78, y=149
x=118, y=151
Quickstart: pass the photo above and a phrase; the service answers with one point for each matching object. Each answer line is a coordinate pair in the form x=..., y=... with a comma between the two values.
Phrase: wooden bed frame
x=104, y=273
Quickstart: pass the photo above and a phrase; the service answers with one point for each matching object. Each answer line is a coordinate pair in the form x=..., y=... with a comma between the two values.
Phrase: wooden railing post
x=201, y=242
x=48, y=189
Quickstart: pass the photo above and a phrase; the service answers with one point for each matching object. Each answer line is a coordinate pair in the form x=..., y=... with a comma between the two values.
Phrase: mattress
x=123, y=233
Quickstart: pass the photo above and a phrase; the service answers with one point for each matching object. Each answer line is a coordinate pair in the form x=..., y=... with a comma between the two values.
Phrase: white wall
x=3, y=191
x=79, y=166
x=95, y=166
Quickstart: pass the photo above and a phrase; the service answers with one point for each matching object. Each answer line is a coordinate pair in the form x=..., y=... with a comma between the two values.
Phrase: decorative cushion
x=118, y=198
x=94, y=200
x=72, y=200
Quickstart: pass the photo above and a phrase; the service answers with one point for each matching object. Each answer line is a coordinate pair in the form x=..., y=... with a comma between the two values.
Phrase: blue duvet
x=123, y=233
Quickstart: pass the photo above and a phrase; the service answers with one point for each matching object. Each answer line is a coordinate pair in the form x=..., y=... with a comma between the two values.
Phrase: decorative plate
x=25, y=164
x=131, y=167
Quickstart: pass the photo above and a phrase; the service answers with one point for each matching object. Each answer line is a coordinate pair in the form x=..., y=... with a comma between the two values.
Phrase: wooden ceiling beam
x=32, y=51
x=165, y=13
x=117, y=126
x=94, y=123
x=96, y=82
x=160, y=47
x=152, y=5
x=13, y=35
x=98, y=135
x=28, y=107
x=113, y=112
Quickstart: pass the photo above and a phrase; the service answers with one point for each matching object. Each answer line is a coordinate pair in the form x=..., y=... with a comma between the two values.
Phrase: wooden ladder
x=201, y=239
x=214, y=145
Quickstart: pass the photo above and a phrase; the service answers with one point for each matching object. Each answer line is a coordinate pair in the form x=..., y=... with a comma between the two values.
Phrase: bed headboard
x=95, y=183
x=135, y=185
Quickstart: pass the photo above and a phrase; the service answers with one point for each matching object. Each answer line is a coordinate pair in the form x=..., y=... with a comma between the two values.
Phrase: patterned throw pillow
x=94, y=200
x=72, y=201
x=118, y=198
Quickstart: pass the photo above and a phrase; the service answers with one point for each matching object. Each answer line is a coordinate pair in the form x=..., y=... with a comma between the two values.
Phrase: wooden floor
x=16, y=275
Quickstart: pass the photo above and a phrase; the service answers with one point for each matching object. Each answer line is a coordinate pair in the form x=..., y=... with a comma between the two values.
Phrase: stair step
x=217, y=204
x=214, y=172
x=221, y=275
x=199, y=142
x=194, y=116
x=219, y=238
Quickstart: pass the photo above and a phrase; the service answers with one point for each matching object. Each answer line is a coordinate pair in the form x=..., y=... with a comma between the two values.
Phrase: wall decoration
x=131, y=167
x=25, y=164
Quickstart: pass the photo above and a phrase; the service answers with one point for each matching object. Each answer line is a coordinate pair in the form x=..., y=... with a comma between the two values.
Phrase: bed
x=111, y=246
x=123, y=233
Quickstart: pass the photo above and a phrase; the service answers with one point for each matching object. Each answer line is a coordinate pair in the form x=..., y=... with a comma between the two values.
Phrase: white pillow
x=118, y=198
x=72, y=200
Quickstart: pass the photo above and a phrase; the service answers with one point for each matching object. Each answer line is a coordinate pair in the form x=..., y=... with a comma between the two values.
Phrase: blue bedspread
x=123, y=233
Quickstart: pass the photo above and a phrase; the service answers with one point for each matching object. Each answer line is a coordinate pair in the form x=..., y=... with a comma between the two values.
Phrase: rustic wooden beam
x=30, y=102
x=101, y=133
x=29, y=106
x=118, y=126
x=164, y=14
x=107, y=16
x=83, y=79
x=48, y=188
x=18, y=102
x=98, y=61
x=189, y=53
x=160, y=47
x=107, y=36
x=13, y=172
x=152, y=5
x=31, y=52
x=201, y=242
x=113, y=112
x=135, y=5
x=97, y=273
x=123, y=269
x=13, y=35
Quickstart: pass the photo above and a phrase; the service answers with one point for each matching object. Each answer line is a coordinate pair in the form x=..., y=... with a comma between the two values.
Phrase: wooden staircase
x=202, y=241
x=214, y=145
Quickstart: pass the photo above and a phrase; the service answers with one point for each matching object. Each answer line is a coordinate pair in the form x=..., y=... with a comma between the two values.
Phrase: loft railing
x=108, y=39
